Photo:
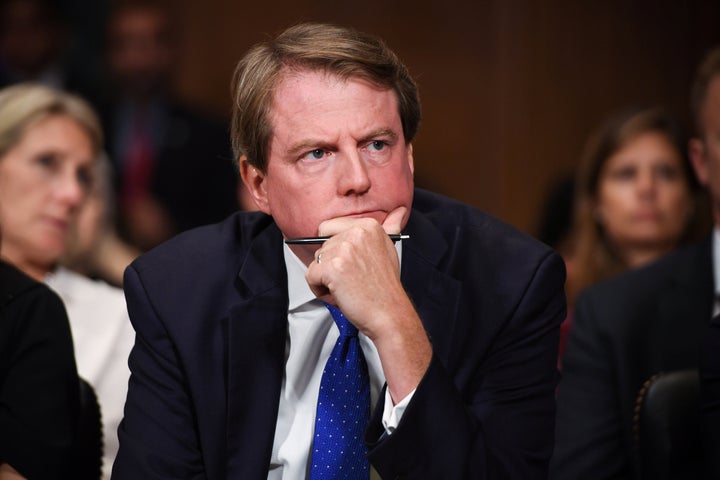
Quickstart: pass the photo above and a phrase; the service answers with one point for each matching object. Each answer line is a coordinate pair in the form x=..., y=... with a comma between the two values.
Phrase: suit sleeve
x=157, y=397
x=501, y=423
x=39, y=392
x=589, y=432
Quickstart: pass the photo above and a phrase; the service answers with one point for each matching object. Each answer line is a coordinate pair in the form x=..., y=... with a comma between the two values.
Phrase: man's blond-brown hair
x=339, y=51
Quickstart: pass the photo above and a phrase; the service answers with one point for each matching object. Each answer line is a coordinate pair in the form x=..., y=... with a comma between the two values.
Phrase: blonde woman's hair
x=24, y=104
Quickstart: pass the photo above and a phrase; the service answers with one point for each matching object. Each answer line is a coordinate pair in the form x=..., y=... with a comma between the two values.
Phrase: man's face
x=30, y=40
x=141, y=53
x=337, y=150
x=705, y=152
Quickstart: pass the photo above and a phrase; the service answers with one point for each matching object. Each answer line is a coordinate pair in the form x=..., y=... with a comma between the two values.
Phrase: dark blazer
x=39, y=390
x=710, y=399
x=210, y=311
x=624, y=331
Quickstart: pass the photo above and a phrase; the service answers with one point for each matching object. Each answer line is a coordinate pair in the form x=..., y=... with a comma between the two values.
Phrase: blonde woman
x=49, y=145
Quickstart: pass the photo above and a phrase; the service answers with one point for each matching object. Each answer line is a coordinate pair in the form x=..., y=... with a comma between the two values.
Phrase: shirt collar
x=299, y=292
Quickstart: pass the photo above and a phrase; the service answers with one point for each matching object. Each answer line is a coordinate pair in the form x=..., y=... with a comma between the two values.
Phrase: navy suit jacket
x=210, y=311
x=710, y=400
x=625, y=330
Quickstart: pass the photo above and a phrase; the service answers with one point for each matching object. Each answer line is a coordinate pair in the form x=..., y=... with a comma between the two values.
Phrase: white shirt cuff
x=393, y=413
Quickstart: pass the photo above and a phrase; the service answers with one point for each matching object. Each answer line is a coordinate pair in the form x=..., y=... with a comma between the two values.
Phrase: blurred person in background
x=636, y=200
x=34, y=40
x=50, y=141
x=645, y=321
x=94, y=249
x=706, y=154
x=162, y=149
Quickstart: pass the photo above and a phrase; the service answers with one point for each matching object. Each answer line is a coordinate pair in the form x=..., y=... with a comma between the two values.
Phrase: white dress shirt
x=102, y=337
x=311, y=337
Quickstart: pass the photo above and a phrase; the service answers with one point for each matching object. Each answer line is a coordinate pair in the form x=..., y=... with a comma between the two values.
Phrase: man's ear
x=411, y=160
x=698, y=158
x=254, y=181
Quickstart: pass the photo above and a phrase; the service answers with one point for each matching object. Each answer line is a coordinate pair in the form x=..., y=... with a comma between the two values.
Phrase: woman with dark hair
x=636, y=199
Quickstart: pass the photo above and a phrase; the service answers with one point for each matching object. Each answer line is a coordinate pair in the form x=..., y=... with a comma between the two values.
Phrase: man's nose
x=353, y=178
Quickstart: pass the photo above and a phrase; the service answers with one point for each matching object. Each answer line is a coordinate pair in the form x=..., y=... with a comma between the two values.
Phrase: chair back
x=667, y=426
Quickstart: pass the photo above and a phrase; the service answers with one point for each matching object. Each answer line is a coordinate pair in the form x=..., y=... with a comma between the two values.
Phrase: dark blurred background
x=510, y=89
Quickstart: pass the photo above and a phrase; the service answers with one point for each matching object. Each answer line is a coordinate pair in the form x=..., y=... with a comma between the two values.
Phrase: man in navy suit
x=459, y=323
x=161, y=147
x=707, y=152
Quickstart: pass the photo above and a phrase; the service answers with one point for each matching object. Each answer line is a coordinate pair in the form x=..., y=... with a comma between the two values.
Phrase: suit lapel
x=434, y=294
x=256, y=335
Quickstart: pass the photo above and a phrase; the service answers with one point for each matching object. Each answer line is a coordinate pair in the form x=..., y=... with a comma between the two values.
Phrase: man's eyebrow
x=380, y=132
x=310, y=144
x=304, y=145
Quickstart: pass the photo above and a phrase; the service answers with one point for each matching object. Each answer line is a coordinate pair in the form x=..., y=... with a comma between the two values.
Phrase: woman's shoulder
x=14, y=284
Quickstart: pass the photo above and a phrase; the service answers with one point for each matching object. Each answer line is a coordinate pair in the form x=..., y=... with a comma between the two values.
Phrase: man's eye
x=316, y=154
x=377, y=145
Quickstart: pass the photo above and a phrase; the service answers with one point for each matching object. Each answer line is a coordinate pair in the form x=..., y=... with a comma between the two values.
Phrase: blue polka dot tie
x=343, y=410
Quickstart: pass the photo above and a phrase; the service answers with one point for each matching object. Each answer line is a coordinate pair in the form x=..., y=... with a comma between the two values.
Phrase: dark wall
x=510, y=89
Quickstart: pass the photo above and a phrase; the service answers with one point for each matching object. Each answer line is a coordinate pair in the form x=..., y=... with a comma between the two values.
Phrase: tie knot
x=346, y=328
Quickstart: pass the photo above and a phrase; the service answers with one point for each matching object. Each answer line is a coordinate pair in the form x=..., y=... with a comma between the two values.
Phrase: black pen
x=316, y=240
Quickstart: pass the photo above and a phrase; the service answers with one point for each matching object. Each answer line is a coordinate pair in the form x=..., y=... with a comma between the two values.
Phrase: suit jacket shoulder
x=463, y=226
x=636, y=292
x=208, y=307
x=473, y=247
